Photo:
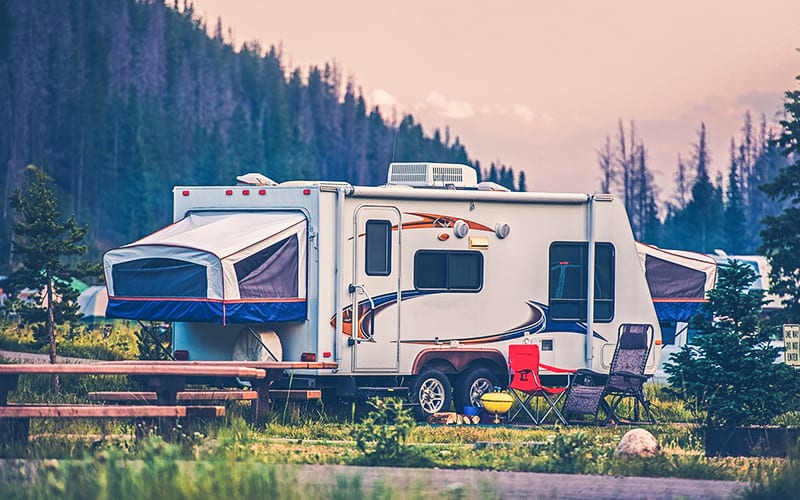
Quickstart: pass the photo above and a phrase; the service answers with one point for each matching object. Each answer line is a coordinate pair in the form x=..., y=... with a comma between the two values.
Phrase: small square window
x=378, y=248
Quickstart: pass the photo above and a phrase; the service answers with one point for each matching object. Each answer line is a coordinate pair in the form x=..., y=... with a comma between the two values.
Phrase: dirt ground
x=432, y=483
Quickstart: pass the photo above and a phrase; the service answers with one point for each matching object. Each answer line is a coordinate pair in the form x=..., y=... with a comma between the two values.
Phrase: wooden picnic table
x=165, y=378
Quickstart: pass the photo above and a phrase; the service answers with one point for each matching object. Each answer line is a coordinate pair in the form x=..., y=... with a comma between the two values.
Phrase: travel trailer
x=418, y=286
x=679, y=282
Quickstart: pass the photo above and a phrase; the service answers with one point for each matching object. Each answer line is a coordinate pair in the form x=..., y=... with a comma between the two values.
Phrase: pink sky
x=538, y=85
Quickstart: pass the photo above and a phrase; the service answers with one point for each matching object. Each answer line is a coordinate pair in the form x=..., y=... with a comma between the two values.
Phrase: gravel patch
x=435, y=482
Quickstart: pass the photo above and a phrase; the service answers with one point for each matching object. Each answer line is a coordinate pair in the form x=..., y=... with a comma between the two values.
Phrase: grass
x=315, y=437
x=160, y=472
x=91, y=452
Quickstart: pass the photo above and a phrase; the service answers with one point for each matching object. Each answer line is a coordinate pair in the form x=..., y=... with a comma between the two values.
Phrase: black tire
x=430, y=392
x=471, y=385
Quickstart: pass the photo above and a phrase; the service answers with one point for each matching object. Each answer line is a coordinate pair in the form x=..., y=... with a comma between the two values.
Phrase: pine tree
x=522, y=186
x=781, y=233
x=44, y=243
x=681, y=185
x=729, y=371
x=734, y=228
x=605, y=160
x=704, y=211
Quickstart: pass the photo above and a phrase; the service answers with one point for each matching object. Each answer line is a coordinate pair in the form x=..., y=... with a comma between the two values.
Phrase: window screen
x=454, y=270
x=568, y=275
x=378, y=243
x=159, y=277
x=271, y=272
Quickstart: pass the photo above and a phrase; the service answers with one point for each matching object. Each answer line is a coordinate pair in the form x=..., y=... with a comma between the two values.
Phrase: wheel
x=471, y=385
x=431, y=393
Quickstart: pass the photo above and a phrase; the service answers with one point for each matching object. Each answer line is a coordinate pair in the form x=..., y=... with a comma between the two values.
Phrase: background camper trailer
x=419, y=285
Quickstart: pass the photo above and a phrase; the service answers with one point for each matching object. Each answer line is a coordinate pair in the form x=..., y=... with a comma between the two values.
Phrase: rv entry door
x=375, y=289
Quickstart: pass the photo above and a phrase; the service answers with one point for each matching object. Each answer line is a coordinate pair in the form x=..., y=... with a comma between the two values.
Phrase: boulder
x=637, y=443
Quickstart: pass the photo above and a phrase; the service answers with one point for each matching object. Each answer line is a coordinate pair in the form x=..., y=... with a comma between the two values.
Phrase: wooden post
x=8, y=382
x=14, y=431
x=259, y=408
x=167, y=389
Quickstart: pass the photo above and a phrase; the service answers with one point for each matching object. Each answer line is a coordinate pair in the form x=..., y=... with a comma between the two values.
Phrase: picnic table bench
x=194, y=395
x=273, y=370
x=166, y=381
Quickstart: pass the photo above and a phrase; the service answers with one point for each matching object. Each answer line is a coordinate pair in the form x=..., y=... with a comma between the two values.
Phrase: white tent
x=224, y=267
x=761, y=267
x=93, y=302
x=678, y=280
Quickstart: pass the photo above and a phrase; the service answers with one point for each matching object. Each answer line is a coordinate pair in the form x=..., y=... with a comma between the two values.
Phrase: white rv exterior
x=442, y=278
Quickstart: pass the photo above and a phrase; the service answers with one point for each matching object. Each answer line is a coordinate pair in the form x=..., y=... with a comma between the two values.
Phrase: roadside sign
x=791, y=340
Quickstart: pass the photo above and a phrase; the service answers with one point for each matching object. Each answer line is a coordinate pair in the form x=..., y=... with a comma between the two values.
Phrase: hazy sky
x=538, y=85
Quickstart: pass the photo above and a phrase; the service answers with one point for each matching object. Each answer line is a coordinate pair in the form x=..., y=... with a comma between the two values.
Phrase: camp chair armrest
x=556, y=369
x=627, y=374
x=589, y=373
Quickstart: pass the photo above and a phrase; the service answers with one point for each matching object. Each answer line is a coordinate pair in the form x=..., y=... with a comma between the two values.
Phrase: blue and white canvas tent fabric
x=221, y=267
x=678, y=280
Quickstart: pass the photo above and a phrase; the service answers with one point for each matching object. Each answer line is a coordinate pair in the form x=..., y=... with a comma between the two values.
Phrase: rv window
x=568, y=276
x=378, y=243
x=454, y=270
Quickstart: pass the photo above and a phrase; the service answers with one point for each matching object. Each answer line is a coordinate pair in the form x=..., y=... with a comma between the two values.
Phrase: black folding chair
x=620, y=393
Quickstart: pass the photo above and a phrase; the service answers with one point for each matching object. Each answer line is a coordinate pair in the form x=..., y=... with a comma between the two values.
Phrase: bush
x=383, y=434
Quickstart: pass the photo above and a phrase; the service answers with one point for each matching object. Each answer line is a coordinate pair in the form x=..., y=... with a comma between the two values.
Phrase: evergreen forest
x=120, y=100
x=703, y=214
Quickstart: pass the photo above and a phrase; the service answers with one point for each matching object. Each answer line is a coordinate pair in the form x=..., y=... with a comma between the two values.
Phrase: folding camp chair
x=523, y=362
x=625, y=380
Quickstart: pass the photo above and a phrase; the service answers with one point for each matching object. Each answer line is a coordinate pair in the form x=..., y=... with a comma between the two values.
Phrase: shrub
x=577, y=452
x=383, y=434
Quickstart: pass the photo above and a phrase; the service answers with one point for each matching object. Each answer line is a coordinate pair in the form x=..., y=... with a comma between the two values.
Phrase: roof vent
x=441, y=175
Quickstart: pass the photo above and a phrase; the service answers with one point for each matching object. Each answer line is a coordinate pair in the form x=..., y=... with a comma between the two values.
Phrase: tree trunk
x=51, y=327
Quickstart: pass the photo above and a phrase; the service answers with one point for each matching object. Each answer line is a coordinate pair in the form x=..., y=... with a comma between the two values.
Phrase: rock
x=637, y=443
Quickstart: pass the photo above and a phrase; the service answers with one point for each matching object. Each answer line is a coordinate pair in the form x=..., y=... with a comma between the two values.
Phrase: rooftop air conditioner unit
x=442, y=175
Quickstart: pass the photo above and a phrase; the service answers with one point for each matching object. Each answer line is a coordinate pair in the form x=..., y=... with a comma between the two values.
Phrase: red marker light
x=229, y=192
x=326, y=354
x=306, y=191
x=262, y=192
x=185, y=193
x=246, y=192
